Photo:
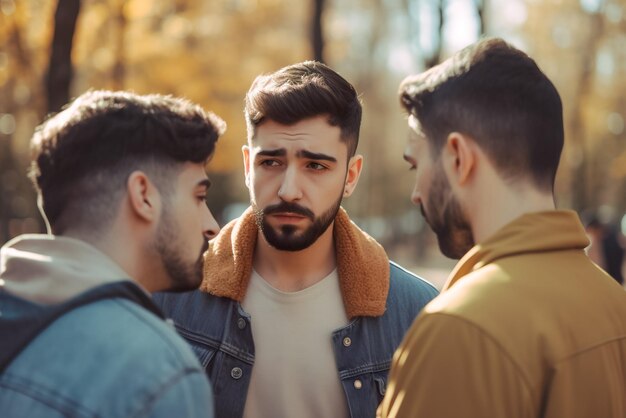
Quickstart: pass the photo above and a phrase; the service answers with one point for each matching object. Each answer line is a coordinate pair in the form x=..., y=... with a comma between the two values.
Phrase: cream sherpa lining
x=362, y=264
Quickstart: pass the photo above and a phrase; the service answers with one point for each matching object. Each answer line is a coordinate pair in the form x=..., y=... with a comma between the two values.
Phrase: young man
x=527, y=326
x=121, y=183
x=300, y=311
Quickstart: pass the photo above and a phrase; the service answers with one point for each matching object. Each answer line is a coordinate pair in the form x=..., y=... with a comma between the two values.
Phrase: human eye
x=317, y=166
x=202, y=198
x=269, y=163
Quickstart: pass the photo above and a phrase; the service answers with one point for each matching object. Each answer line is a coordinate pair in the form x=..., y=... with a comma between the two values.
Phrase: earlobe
x=460, y=156
x=355, y=165
x=143, y=196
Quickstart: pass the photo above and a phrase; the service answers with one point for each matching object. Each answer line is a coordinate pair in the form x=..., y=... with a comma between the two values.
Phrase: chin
x=450, y=250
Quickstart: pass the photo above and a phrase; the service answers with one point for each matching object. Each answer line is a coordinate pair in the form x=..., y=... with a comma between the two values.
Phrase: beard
x=184, y=275
x=286, y=237
x=445, y=217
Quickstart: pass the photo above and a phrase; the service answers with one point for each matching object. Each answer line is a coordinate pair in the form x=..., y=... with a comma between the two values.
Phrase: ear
x=459, y=158
x=143, y=196
x=245, y=150
x=354, y=172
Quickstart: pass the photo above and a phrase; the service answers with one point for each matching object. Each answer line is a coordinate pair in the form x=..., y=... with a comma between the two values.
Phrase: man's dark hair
x=302, y=91
x=497, y=95
x=82, y=156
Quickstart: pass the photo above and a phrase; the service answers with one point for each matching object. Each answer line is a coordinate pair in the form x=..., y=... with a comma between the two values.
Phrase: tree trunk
x=316, y=32
x=59, y=74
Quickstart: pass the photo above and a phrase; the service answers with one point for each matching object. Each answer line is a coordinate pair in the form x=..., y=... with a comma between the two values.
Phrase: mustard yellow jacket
x=527, y=326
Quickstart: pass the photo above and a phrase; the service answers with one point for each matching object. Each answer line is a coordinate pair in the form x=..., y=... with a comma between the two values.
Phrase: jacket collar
x=362, y=264
x=555, y=230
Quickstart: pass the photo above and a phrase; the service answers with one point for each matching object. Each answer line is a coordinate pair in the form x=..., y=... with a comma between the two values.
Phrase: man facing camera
x=300, y=311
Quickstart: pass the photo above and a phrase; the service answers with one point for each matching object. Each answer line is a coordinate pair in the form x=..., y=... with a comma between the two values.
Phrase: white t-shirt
x=294, y=372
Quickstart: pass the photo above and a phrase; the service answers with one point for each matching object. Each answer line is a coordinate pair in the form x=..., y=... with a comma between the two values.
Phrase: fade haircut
x=302, y=91
x=497, y=95
x=82, y=156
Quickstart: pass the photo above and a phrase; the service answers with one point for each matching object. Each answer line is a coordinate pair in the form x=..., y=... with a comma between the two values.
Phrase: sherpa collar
x=362, y=264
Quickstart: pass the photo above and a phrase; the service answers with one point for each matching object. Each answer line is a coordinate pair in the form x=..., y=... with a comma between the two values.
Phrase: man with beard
x=300, y=311
x=121, y=183
x=526, y=326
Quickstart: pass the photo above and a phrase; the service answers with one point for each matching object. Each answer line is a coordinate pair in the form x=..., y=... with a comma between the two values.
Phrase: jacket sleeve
x=188, y=395
x=448, y=367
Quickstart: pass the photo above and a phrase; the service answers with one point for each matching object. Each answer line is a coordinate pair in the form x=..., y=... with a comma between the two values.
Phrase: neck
x=291, y=271
x=501, y=204
x=135, y=259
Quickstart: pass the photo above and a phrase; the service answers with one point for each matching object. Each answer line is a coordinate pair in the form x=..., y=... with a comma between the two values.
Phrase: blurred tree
x=60, y=70
x=317, y=35
x=435, y=57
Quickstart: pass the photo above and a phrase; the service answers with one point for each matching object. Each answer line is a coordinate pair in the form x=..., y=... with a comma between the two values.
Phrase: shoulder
x=408, y=295
x=196, y=304
x=405, y=284
x=119, y=348
x=199, y=316
x=481, y=294
x=111, y=324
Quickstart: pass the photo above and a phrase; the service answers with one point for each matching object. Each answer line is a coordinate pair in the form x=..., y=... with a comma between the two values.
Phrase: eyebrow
x=408, y=159
x=206, y=183
x=315, y=156
x=280, y=152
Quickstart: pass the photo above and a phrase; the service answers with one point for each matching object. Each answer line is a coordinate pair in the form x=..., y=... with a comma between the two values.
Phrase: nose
x=210, y=228
x=289, y=189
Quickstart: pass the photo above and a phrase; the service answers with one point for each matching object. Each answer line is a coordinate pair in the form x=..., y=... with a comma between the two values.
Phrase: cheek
x=420, y=180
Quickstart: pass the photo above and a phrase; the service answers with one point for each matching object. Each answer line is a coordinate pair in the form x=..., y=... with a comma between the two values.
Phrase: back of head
x=497, y=95
x=82, y=156
x=302, y=91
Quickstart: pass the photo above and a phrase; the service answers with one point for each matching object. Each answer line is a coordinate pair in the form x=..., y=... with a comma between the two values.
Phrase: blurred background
x=209, y=51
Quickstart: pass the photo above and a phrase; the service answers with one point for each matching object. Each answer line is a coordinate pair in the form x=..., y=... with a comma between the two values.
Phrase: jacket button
x=358, y=384
x=241, y=323
x=236, y=373
x=347, y=342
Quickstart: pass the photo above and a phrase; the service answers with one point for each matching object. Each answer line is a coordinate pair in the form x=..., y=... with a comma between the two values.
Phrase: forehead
x=415, y=129
x=417, y=145
x=314, y=134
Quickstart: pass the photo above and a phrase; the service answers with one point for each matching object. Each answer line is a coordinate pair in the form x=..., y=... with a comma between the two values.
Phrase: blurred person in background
x=300, y=311
x=121, y=183
x=527, y=325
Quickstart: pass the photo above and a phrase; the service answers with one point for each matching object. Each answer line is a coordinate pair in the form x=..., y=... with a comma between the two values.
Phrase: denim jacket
x=381, y=299
x=113, y=357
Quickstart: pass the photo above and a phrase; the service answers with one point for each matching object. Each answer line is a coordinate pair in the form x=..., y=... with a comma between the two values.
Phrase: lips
x=288, y=217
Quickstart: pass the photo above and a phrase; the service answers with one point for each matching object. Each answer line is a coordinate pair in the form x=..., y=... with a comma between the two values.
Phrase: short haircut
x=302, y=91
x=497, y=95
x=82, y=156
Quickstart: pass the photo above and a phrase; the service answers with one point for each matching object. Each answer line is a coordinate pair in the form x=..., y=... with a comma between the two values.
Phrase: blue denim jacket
x=111, y=358
x=218, y=330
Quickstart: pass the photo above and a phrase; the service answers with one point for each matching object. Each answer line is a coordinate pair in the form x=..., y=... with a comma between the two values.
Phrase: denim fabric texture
x=110, y=358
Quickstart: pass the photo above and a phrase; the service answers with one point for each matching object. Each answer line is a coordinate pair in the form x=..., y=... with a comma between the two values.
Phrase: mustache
x=283, y=207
